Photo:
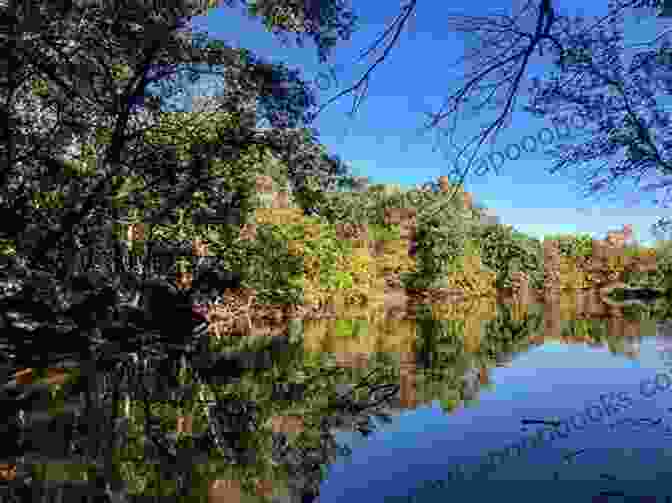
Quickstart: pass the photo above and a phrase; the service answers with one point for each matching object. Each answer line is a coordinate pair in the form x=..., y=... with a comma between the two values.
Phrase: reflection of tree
x=233, y=436
x=452, y=369
x=502, y=338
x=230, y=430
x=444, y=364
x=661, y=310
x=590, y=330
x=617, y=345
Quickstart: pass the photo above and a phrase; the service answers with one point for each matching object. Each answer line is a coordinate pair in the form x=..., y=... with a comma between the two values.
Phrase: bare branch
x=400, y=21
x=510, y=61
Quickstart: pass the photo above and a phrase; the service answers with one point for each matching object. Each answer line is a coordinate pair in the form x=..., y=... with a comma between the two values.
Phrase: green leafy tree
x=505, y=250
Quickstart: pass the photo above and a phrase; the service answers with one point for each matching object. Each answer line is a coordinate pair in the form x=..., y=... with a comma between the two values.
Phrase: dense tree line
x=83, y=123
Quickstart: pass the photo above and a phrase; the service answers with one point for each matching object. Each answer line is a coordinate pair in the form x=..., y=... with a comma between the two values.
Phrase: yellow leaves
x=313, y=294
x=7, y=247
x=103, y=136
x=477, y=283
x=360, y=265
x=52, y=199
x=295, y=247
x=125, y=185
x=201, y=8
x=74, y=168
x=312, y=231
x=470, y=276
x=39, y=88
x=279, y=17
x=84, y=164
x=395, y=258
x=476, y=308
x=616, y=262
x=593, y=271
x=278, y=216
x=575, y=279
x=472, y=262
x=311, y=265
x=120, y=72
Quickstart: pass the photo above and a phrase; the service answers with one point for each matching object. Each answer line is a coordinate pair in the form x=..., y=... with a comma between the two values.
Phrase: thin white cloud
x=539, y=222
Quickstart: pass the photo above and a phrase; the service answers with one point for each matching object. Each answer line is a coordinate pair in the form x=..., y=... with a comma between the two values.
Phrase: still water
x=507, y=407
x=612, y=441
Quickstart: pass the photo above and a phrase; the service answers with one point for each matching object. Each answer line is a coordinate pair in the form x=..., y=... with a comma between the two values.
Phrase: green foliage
x=345, y=207
x=504, y=251
x=49, y=472
x=7, y=247
x=120, y=72
x=328, y=249
x=358, y=207
x=40, y=88
x=186, y=129
x=309, y=197
x=450, y=403
x=595, y=329
x=380, y=232
x=350, y=328
x=570, y=245
x=440, y=241
x=336, y=21
x=52, y=199
x=662, y=276
x=271, y=270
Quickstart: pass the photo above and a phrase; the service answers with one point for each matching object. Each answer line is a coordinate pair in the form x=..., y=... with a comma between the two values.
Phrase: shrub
x=504, y=251
x=360, y=267
x=439, y=242
x=468, y=274
x=271, y=269
x=574, y=245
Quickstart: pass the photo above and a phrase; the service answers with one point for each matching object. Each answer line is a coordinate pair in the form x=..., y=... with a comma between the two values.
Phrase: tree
x=81, y=76
x=588, y=81
x=624, y=105
x=256, y=78
x=506, y=46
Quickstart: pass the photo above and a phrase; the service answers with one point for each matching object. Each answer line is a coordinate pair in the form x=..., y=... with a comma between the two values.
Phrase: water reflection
x=260, y=416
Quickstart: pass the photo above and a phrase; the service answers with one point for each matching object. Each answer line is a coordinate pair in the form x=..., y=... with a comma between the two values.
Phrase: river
x=510, y=406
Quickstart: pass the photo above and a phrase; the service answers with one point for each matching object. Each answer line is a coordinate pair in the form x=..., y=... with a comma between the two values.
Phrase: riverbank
x=396, y=303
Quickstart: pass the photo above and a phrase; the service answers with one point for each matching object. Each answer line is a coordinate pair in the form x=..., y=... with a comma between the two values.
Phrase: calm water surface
x=614, y=437
x=457, y=424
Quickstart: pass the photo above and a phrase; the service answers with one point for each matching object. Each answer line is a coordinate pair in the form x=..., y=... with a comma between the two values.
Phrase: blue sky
x=383, y=141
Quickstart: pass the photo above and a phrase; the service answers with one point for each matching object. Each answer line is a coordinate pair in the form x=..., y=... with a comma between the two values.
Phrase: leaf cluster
x=580, y=245
x=505, y=250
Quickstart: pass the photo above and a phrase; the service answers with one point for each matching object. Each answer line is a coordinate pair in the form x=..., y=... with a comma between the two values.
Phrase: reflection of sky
x=550, y=381
x=664, y=339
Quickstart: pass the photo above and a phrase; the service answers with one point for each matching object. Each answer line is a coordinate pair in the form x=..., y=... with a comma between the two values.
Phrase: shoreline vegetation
x=383, y=251
x=375, y=257
x=376, y=253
